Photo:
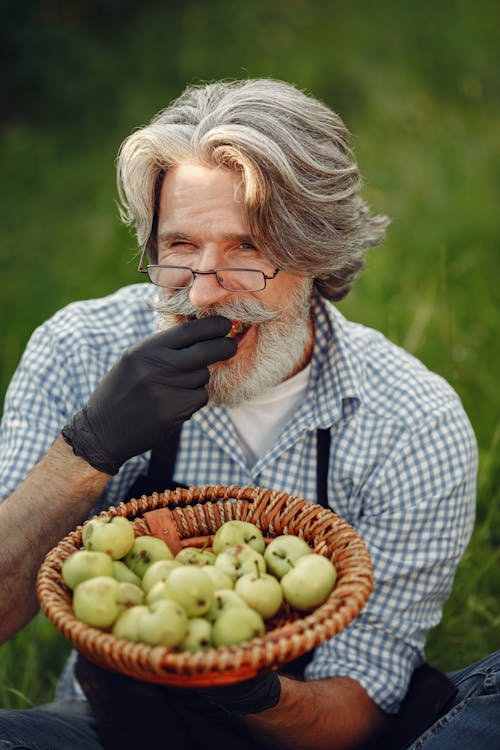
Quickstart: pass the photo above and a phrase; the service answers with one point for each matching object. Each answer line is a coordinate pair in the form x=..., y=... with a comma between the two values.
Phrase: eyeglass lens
x=234, y=280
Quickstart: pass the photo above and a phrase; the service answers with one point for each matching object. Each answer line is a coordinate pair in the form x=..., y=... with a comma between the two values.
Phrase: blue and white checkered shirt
x=402, y=467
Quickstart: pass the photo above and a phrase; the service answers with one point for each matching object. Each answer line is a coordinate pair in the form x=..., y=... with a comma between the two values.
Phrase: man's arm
x=334, y=714
x=155, y=385
x=54, y=498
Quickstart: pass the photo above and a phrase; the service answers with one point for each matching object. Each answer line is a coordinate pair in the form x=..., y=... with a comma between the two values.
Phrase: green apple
x=237, y=625
x=146, y=550
x=238, y=532
x=95, y=601
x=123, y=574
x=112, y=535
x=240, y=559
x=126, y=625
x=83, y=564
x=310, y=582
x=219, y=578
x=223, y=599
x=195, y=556
x=282, y=553
x=198, y=635
x=158, y=571
x=261, y=591
x=191, y=588
x=157, y=591
x=129, y=595
x=164, y=624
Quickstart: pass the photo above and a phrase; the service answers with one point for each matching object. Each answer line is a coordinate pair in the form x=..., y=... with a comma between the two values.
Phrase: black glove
x=131, y=714
x=157, y=384
x=247, y=697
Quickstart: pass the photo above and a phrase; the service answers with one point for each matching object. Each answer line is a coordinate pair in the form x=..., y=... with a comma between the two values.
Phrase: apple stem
x=257, y=568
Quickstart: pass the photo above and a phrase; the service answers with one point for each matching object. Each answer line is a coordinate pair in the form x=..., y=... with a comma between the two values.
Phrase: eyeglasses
x=231, y=279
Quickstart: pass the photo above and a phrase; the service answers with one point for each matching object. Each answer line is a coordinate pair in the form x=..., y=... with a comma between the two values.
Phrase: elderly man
x=245, y=199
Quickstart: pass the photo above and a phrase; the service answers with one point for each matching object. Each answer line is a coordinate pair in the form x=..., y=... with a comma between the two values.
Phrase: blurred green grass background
x=417, y=83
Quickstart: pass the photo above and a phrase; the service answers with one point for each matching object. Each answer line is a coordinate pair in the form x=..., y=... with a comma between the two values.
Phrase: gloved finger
x=202, y=329
x=205, y=353
x=193, y=378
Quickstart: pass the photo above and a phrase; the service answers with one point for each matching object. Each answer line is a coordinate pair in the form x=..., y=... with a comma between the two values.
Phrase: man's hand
x=248, y=697
x=156, y=385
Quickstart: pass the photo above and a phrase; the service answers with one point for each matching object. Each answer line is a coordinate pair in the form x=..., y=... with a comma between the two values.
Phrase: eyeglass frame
x=145, y=269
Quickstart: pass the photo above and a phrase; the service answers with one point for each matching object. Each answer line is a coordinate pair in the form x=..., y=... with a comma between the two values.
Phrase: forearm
x=54, y=498
x=334, y=713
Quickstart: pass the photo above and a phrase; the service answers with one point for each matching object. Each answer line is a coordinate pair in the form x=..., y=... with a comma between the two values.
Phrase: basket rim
x=200, y=509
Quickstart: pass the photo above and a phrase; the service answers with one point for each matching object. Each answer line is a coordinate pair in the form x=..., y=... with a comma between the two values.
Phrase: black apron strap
x=322, y=461
x=161, y=468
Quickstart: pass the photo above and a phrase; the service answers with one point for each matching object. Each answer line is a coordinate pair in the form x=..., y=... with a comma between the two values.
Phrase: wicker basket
x=190, y=518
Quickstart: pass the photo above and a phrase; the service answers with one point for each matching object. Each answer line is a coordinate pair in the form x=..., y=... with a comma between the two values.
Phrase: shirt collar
x=334, y=391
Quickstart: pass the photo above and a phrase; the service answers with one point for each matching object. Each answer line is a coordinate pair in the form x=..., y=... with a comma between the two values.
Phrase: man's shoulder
x=115, y=321
x=391, y=381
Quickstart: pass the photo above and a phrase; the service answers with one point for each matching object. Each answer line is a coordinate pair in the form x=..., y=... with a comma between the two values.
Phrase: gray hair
x=300, y=181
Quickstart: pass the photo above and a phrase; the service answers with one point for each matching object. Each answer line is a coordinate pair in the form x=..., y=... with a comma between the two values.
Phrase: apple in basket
x=240, y=559
x=190, y=587
x=195, y=556
x=309, y=582
x=219, y=578
x=282, y=553
x=236, y=532
x=164, y=624
x=237, y=625
x=261, y=591
x=83, y=565
x=146, y=550
x=96, y=601
x=158, y=572
x=224, y=599
x=113, y=535
x=198, y=635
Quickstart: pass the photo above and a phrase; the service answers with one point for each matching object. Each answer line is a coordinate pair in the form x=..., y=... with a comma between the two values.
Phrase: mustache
x=244, y=310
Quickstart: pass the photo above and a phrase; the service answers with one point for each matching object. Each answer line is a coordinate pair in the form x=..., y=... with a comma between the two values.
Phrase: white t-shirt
x=259, y=422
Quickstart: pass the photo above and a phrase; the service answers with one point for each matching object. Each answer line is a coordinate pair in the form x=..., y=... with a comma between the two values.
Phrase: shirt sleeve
x=418, y=514
x=39, y=400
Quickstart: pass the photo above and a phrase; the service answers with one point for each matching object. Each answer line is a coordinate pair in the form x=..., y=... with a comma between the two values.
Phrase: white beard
x=282, y=339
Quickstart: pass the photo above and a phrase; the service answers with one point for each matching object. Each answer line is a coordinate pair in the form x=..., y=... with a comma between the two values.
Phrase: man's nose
x=207, y=292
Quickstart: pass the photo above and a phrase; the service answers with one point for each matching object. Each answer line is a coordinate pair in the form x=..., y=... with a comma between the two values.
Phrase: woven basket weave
x=190, y=518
